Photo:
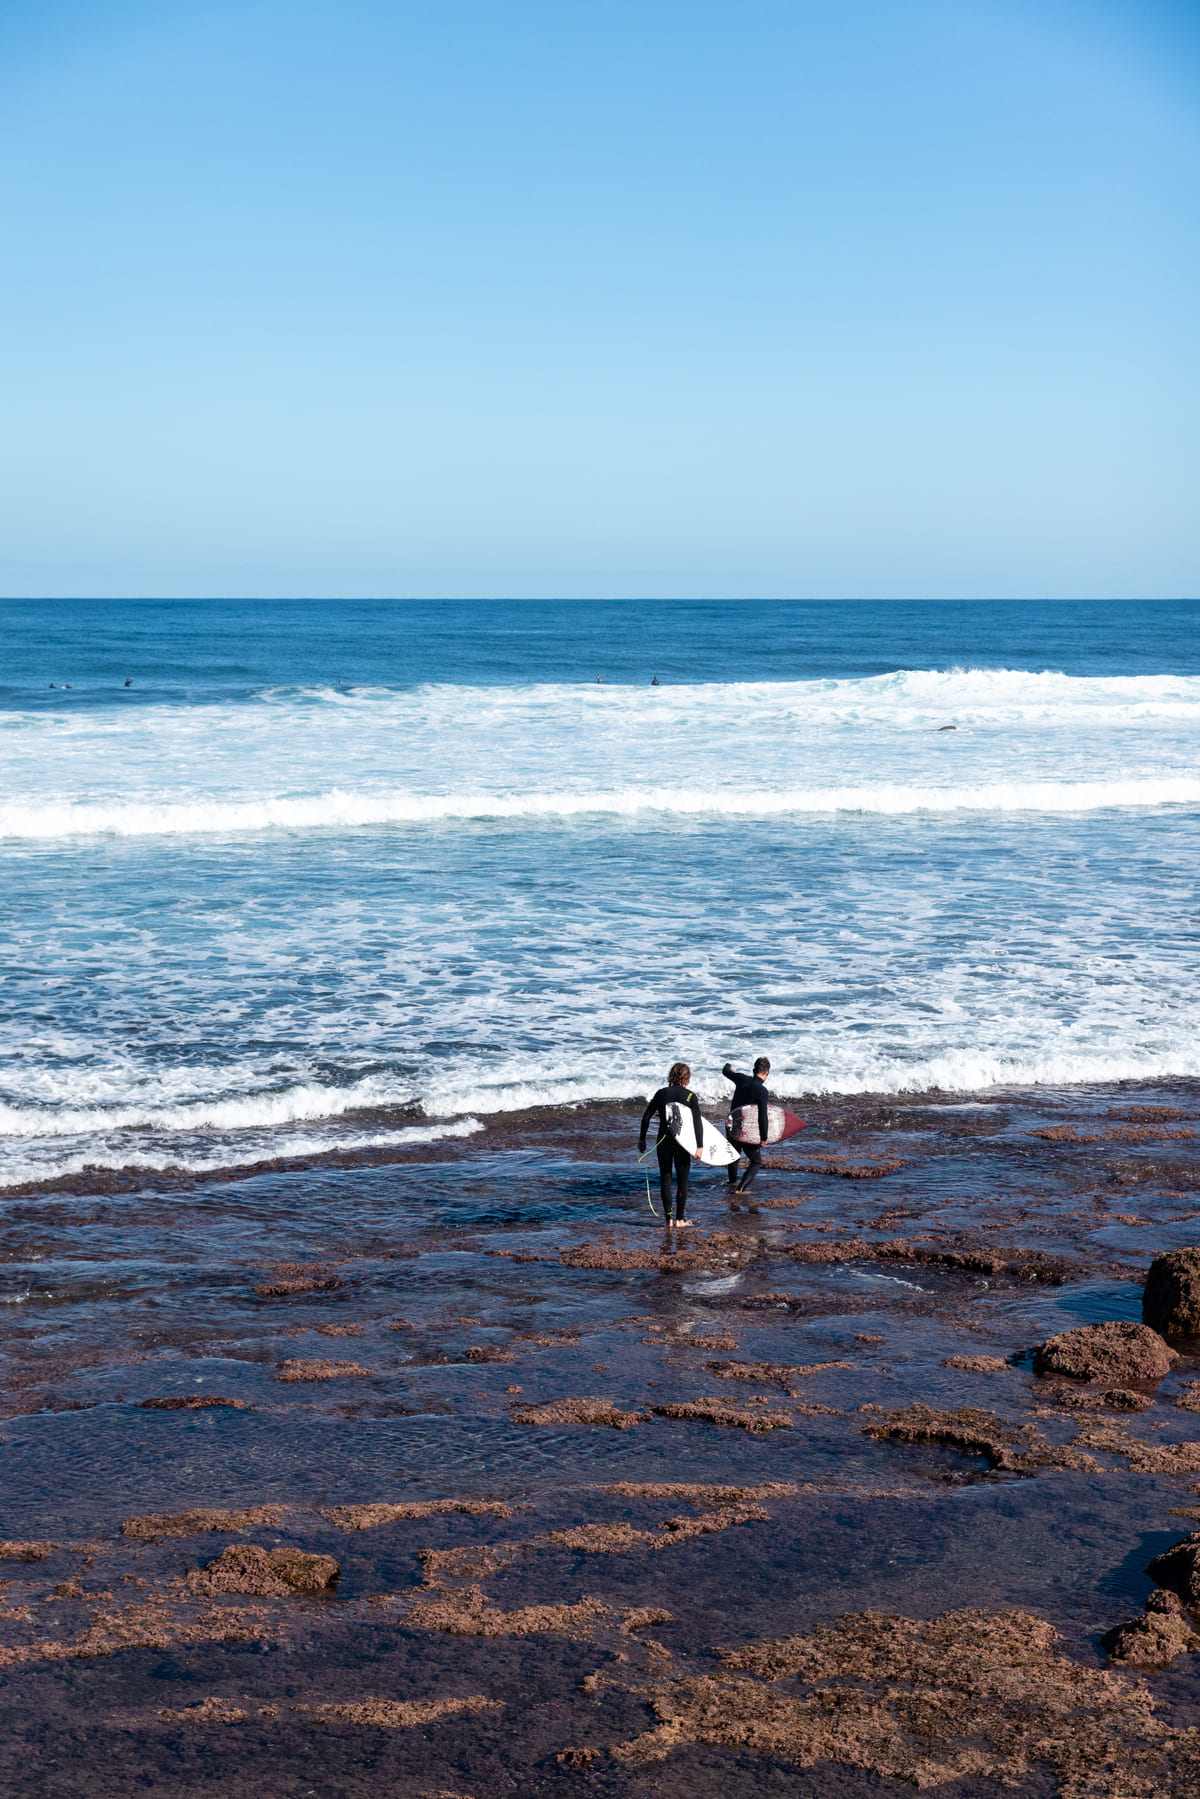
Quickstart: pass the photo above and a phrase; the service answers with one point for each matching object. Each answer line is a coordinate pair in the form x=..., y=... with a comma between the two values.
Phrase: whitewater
x=260, y=912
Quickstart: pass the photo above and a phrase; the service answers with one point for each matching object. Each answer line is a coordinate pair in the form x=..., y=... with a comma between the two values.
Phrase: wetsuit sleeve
x=727, y=1071
x=697, y=1120
x=648, y=1114
x=763, y=1120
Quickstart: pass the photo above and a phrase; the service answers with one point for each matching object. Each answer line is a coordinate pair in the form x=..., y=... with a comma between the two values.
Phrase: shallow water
x=150, y=1294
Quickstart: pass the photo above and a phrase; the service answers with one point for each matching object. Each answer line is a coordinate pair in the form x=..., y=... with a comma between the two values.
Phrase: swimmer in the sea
x=655, y=682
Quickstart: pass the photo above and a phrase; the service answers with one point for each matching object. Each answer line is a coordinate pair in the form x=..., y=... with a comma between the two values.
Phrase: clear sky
x=812, y=297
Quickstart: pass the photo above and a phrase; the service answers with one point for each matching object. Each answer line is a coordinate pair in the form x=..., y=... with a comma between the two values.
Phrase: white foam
x=244, y=1111
x=45, y=1163
x=338, y=810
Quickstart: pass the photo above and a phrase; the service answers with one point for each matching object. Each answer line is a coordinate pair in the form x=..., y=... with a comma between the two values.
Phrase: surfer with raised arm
x=749, y=1091
x=671, y=1153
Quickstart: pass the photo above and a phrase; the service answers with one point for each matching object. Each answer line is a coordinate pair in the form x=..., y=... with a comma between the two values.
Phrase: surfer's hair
x=762, y=1066
x=680, y=1075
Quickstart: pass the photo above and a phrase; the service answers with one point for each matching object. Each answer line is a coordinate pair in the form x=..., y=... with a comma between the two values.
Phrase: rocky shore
x=454, y=1475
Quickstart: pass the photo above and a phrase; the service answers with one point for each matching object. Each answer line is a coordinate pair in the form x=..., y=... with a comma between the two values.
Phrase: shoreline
x=564, y=1466
x=596, y=1129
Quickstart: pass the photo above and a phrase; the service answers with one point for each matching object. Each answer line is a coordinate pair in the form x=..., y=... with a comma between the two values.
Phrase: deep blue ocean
x=342, y=874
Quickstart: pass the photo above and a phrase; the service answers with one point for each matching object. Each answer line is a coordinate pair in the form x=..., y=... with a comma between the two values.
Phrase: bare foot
x=683, y=1224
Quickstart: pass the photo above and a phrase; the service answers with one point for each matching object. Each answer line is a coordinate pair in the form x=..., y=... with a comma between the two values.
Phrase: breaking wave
x=336, y=810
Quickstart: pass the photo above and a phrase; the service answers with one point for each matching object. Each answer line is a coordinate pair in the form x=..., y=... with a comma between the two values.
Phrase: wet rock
x=190, y=1402
x=282, y=1289
x=1178, y=1568
x=1117, y=1351
x=1154, y=1640
x=1123, y=1399
x=1171, y=1301
x=264, y=1573
x=401, y=1714
x=209, y=1711
x=489, y=1352
x=26, y=1552
x=976, y=1364
x=369, y=1517
x=579, y=1411
x=199, y=1519
x=717, y=1411
x=966, y=1696
x=293, y=1370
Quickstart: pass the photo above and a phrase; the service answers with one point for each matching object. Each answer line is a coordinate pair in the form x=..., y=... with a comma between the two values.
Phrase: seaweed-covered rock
x=264, y=1573
x=1116, y=1351
x=1153, y=1641
x=1171, y=1301
x=1178, y=1568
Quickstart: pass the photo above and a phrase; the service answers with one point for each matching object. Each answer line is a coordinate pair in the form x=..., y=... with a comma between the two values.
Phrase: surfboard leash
x=649, y=1201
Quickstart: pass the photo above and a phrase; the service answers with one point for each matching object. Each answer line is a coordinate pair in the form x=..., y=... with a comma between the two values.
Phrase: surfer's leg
x=666, y=1154
x=753, y=1154
x=683, y=1167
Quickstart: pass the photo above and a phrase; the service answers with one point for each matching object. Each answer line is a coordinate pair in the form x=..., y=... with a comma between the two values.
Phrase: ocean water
x=340, y=876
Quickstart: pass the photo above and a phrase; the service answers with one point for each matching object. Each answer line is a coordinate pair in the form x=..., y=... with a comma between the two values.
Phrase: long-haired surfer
x=748, y=1090
x=671, y=1153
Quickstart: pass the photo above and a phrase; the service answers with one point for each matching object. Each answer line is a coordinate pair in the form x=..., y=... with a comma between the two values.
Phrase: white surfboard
x=715, y=1150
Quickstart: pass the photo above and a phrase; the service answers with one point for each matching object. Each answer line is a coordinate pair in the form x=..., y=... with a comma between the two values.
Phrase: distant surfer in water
x=748, y=1090
x=671, y=1152
x=654, y=683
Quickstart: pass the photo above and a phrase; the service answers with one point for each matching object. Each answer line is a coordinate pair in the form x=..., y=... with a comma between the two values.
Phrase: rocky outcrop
x=1154, y=1640
x=1178, y=1568
x=1171, y=1301
x=1115, y=1352
x=264, y=1573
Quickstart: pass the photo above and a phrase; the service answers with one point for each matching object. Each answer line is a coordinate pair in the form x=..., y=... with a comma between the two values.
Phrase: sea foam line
x=31, y=1170
x=339, y=810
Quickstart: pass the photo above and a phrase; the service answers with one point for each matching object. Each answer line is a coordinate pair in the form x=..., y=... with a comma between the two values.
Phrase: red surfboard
x=742, y=1124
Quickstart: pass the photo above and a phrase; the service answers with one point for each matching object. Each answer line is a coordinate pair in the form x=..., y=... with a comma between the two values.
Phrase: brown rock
x=1114, y=1351
x=190, y=1402
x=1178, y=1568
x=977, y=1364
x=208, y=1711
x=716, y=1411
x=402, y=1714
x=1153, y=1641
x=26, y=1552
x=579, y=1411
x=264, y=1573
x=198, y=1520
x=368, y=1517
x=294, y=1369
x=1121, y=1399
x=1171, y=1301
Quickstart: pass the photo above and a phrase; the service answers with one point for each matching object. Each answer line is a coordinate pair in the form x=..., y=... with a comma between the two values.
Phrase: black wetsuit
x=671, y=1153
x=748, y=1090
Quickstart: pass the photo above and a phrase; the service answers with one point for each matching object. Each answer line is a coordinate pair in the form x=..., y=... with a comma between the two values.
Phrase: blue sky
x=554, y=297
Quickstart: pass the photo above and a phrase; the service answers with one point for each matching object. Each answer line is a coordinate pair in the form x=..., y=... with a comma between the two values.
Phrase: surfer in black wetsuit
x=748, y=1090
x=671, y=1152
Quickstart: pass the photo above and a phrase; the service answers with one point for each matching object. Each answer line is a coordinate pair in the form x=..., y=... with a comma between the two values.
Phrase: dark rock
x=1121, y=1399
x=1115, y=1351
x=1178, y=1568
x=1171, y=1302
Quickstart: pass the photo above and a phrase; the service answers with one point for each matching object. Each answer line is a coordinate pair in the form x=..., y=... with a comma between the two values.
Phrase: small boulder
x=1178, y=1568
x=264, y=1573
x=1171, y=1301
x=1154, y=1640
x=1115, y=1352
